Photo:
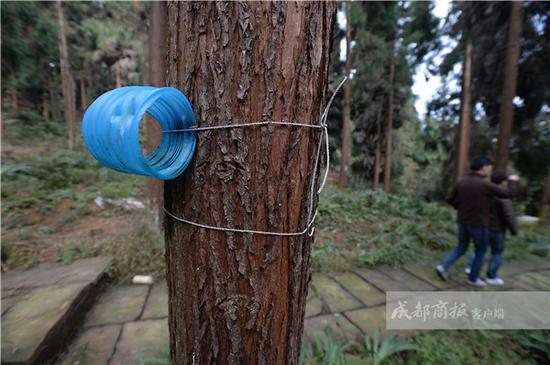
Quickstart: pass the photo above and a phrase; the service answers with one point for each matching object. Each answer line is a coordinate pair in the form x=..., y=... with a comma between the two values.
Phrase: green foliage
x=75, y=252
x=535, y=343
x=474, y=347
x=78, y=356
x=327, y=350
x=28, y=126
x=380, y=351
x=160, y=358
x=371, y=228
x=42, y=181
x=142, y=252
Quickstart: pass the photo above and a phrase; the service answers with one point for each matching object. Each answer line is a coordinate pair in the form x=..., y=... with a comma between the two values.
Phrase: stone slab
x=364, y=291
x=118, y=305
x=45, y=274
x=405, y=277
x=9, y=301
x=381, y=280
x=314, y=307
x=44, y=306
x=337, y=299
x=532, y=281
x=157, y=302
x=542, y=276
x=369, y=319
x=339, y=327
x=428, y=274
x=140, y=341
x=93, y=346
x=27, y=326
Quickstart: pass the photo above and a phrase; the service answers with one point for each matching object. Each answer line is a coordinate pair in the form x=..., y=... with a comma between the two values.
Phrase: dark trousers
x=496, y=242
x=480, y=237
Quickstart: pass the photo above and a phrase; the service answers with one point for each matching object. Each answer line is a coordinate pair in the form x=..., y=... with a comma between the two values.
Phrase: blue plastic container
x=111, y=127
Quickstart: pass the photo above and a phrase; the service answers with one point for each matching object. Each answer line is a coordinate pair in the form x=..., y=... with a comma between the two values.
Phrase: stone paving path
x=129, y=322
x=41, y=306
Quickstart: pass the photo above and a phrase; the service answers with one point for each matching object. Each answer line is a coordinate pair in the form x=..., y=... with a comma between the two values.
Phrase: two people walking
x=484, y=211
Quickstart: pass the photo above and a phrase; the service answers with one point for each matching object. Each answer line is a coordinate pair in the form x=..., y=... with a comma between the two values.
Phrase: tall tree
x=157, y=77
x=239, y=298
x=346, y=133
x=509, y=85
x=377, y=152
x=66, y=77
x=465, y=114
x=389, y=126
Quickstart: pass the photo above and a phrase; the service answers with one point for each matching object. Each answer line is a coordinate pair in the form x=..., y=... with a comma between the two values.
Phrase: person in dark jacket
x=502, y=217
x=471, y=197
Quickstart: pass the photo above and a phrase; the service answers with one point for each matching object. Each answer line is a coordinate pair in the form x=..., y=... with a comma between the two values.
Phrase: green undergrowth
x=475, y=347
x=433, y=348
x=371, y=228
x=42, y=181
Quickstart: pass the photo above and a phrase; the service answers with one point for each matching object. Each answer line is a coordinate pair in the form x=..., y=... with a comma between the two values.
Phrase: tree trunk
x=465, y=115
x=509, y=85
x=83, y=95
x=14, y=103
x=66, y=77
x=118, y=79
x=388, y=162
x=238, y=298
x=346, y=133
x=157, y=77
x=45, y=106
x=376, y=183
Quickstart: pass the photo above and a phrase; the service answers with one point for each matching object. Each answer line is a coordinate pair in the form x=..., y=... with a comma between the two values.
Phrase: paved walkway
x=43, y=308
x=130, y=322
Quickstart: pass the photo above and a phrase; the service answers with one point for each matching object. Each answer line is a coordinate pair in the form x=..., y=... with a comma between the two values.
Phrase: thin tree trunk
x=118, y=79
x=376, y=183
x=157, y=77
x=346, y=133
x=45, y=106
x=83, y=95
x=240, y=298
x=66, y=77
x=465, y=115
x=389, y=131
x=14, y=103
x=509, y=85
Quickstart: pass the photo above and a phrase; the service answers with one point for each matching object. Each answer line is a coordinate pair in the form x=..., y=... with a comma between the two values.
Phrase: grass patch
x=372, y=228
x=41, y=182
x=434, y=348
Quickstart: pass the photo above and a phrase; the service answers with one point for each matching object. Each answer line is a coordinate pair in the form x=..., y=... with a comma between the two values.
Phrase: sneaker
x=478, y=282
x=494, y=281
x=440, y=270
x=467, y=270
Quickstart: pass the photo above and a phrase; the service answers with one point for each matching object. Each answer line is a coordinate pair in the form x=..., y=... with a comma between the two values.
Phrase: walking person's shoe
x=494, y=281
x=440, y=270
x=467, y=270
x=478, y=283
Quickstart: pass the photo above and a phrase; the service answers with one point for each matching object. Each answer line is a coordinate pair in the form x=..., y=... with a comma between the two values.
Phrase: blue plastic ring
x=111, y=129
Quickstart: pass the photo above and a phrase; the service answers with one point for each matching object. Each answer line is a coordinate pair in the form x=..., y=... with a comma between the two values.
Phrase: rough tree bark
x=465, y=115
x=240, y=298
x=509, y=85
x=157, y=77
x=66, y=77
x=376, y=183
x=389, y=127
x=346, y=133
